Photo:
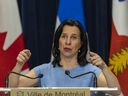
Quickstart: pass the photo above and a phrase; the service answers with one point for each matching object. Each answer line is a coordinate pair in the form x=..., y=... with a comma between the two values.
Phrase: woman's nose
x=68, y=41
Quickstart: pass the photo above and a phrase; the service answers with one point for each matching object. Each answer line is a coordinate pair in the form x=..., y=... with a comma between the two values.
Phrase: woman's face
x=69, y=42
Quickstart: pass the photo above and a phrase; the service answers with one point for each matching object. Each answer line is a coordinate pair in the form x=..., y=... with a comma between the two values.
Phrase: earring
x=79, y=51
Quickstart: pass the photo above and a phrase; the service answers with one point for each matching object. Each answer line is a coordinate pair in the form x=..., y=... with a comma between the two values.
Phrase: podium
x=56, y=91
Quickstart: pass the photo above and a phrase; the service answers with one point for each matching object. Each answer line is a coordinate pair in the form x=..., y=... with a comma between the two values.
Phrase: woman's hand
x=96, y=59
x=23, y=56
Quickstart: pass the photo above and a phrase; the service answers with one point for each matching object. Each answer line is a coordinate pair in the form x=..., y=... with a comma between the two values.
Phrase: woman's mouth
x=67, y=49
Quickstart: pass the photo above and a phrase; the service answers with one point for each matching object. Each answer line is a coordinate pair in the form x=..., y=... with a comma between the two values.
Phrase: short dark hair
x=84, y=46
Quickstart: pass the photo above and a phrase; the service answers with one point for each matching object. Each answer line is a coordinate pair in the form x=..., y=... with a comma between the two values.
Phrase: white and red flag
x=119, y=43
x=11, y=37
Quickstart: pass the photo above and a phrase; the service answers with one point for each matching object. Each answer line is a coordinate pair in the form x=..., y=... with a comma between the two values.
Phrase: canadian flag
x=119, y=43
x=11, y=37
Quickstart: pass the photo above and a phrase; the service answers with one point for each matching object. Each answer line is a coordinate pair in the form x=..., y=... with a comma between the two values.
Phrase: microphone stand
x=90, y=72
x=7, y=79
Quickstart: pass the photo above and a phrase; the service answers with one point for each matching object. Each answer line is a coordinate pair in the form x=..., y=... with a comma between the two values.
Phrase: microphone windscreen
x=40, y=76
x=67, y=72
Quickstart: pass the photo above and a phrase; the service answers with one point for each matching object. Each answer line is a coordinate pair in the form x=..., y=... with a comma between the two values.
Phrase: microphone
x=67, y=72
x=7, y=79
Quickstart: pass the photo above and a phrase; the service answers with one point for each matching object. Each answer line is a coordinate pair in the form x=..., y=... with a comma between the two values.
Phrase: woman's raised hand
x=23, y=56
x=96, y=59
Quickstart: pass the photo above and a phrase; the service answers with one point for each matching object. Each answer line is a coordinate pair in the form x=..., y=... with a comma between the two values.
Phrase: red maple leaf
x=8, y=57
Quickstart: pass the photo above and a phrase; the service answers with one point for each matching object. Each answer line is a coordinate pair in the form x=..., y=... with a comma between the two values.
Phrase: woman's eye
x=74, y=37
x=63, y=36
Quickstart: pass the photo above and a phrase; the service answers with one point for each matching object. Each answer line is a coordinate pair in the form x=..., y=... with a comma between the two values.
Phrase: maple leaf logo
x=119, y=61
x=8, y=57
